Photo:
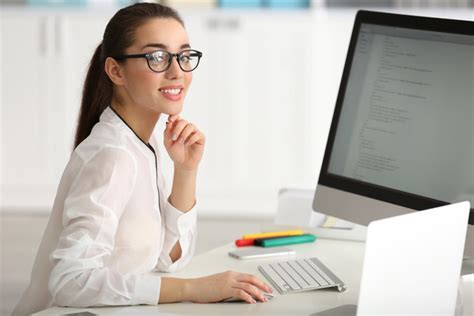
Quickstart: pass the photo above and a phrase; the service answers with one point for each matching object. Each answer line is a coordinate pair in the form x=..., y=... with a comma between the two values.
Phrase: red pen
x=252, y=242
x=244, y=242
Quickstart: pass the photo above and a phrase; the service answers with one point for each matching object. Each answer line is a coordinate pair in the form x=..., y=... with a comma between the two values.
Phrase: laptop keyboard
x=300, y=275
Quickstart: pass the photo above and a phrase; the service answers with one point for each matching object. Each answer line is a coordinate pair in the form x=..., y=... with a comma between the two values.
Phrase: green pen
x=273, y=242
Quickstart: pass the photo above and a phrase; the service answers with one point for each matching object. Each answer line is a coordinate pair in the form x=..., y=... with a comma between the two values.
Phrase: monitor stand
x=467, y=265
x=343, y=310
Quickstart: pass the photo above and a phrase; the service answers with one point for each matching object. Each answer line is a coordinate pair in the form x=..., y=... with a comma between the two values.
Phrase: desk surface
x=344, y=258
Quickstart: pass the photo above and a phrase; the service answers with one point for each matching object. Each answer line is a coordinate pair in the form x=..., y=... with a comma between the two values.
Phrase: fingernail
x=174, y=137
x=253, y=301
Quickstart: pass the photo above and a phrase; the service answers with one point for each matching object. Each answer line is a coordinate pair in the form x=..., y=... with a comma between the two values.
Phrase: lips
x=173, y=92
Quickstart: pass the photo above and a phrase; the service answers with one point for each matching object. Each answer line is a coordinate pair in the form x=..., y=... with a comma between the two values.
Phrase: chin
x=168, y=108
x=174, y=110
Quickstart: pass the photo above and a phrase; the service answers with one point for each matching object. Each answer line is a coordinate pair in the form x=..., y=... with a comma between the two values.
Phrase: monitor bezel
x=381, y=193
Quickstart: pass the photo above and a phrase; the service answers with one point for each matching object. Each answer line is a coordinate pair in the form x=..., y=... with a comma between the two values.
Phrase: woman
x=112, y=221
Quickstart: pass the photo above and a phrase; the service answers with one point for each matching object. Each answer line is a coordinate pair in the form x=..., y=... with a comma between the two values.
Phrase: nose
x=174, y=71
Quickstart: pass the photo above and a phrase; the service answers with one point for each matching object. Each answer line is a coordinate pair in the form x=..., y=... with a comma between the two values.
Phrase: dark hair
x=118, y=35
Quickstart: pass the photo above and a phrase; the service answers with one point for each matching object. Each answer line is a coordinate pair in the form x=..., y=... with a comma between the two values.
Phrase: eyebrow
x=163, y=46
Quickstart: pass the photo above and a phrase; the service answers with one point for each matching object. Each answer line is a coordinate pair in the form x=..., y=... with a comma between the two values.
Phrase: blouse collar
x=110, y=115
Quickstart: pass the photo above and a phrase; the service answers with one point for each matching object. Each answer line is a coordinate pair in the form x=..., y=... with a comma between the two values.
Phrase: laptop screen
x=407, y=116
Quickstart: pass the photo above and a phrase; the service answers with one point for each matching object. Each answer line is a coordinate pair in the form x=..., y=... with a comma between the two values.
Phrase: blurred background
x=264, y=95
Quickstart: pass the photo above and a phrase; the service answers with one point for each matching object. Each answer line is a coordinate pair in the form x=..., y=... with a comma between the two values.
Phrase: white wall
x=263, y=94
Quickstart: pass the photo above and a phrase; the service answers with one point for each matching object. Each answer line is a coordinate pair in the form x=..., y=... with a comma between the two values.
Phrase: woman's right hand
x=221, y=286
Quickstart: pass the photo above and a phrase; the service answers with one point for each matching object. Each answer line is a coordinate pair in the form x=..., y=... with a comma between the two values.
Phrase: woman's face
x=162, y=92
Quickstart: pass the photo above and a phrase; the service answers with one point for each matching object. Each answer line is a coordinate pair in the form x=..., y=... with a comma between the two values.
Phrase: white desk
x=344, y=258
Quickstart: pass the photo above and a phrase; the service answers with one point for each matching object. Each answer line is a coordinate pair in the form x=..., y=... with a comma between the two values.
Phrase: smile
x=171, y=91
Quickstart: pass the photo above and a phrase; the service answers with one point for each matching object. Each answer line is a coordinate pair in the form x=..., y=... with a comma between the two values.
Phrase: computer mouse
x=237, y=299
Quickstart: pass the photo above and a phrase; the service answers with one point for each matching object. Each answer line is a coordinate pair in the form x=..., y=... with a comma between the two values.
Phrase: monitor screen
x=407, y=116
x=402, y=134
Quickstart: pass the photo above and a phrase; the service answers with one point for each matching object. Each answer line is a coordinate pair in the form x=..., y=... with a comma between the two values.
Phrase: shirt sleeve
x=179, y=226
x=92, y=209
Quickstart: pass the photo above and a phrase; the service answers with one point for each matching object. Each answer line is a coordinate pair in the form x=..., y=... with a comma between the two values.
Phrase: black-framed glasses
x=160, y=60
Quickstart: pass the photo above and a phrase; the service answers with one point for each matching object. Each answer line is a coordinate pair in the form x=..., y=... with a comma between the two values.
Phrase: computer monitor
x=402, y=133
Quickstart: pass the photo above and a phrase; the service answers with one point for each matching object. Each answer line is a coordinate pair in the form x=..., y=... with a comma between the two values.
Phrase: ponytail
x=96, y=96
x=119, y=34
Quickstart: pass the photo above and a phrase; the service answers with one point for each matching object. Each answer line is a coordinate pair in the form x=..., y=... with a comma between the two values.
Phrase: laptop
x=412, y=264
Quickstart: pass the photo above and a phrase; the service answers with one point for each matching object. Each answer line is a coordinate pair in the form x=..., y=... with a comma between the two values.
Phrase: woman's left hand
x=184, y=143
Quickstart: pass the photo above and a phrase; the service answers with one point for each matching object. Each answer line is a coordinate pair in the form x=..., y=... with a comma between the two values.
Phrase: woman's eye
x=185, y=59
x=157, y=59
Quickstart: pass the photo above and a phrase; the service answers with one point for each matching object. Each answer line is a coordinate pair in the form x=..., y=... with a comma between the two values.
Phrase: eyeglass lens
x=160, y=60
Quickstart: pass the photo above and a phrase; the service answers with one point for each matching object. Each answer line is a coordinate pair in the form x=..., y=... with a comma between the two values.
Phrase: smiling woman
x=113, y=221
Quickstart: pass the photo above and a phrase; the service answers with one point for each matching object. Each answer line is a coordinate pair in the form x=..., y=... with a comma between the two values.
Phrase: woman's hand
x=184, y=143
x=218, y=287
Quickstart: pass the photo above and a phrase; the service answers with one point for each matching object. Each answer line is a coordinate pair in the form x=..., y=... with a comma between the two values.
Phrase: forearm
x=183, y=193
x=175, y=290
x=182, y=197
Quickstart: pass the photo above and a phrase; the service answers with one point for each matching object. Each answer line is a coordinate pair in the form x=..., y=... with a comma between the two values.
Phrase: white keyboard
x=300, y=275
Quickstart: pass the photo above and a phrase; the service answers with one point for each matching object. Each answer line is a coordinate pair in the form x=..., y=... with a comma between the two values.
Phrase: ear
x=114, y=70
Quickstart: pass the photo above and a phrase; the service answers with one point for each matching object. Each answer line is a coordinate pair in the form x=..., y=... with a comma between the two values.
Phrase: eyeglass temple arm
x=130, y=56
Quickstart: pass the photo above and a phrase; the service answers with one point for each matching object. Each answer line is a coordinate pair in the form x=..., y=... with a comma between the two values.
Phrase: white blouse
x=110, y=227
